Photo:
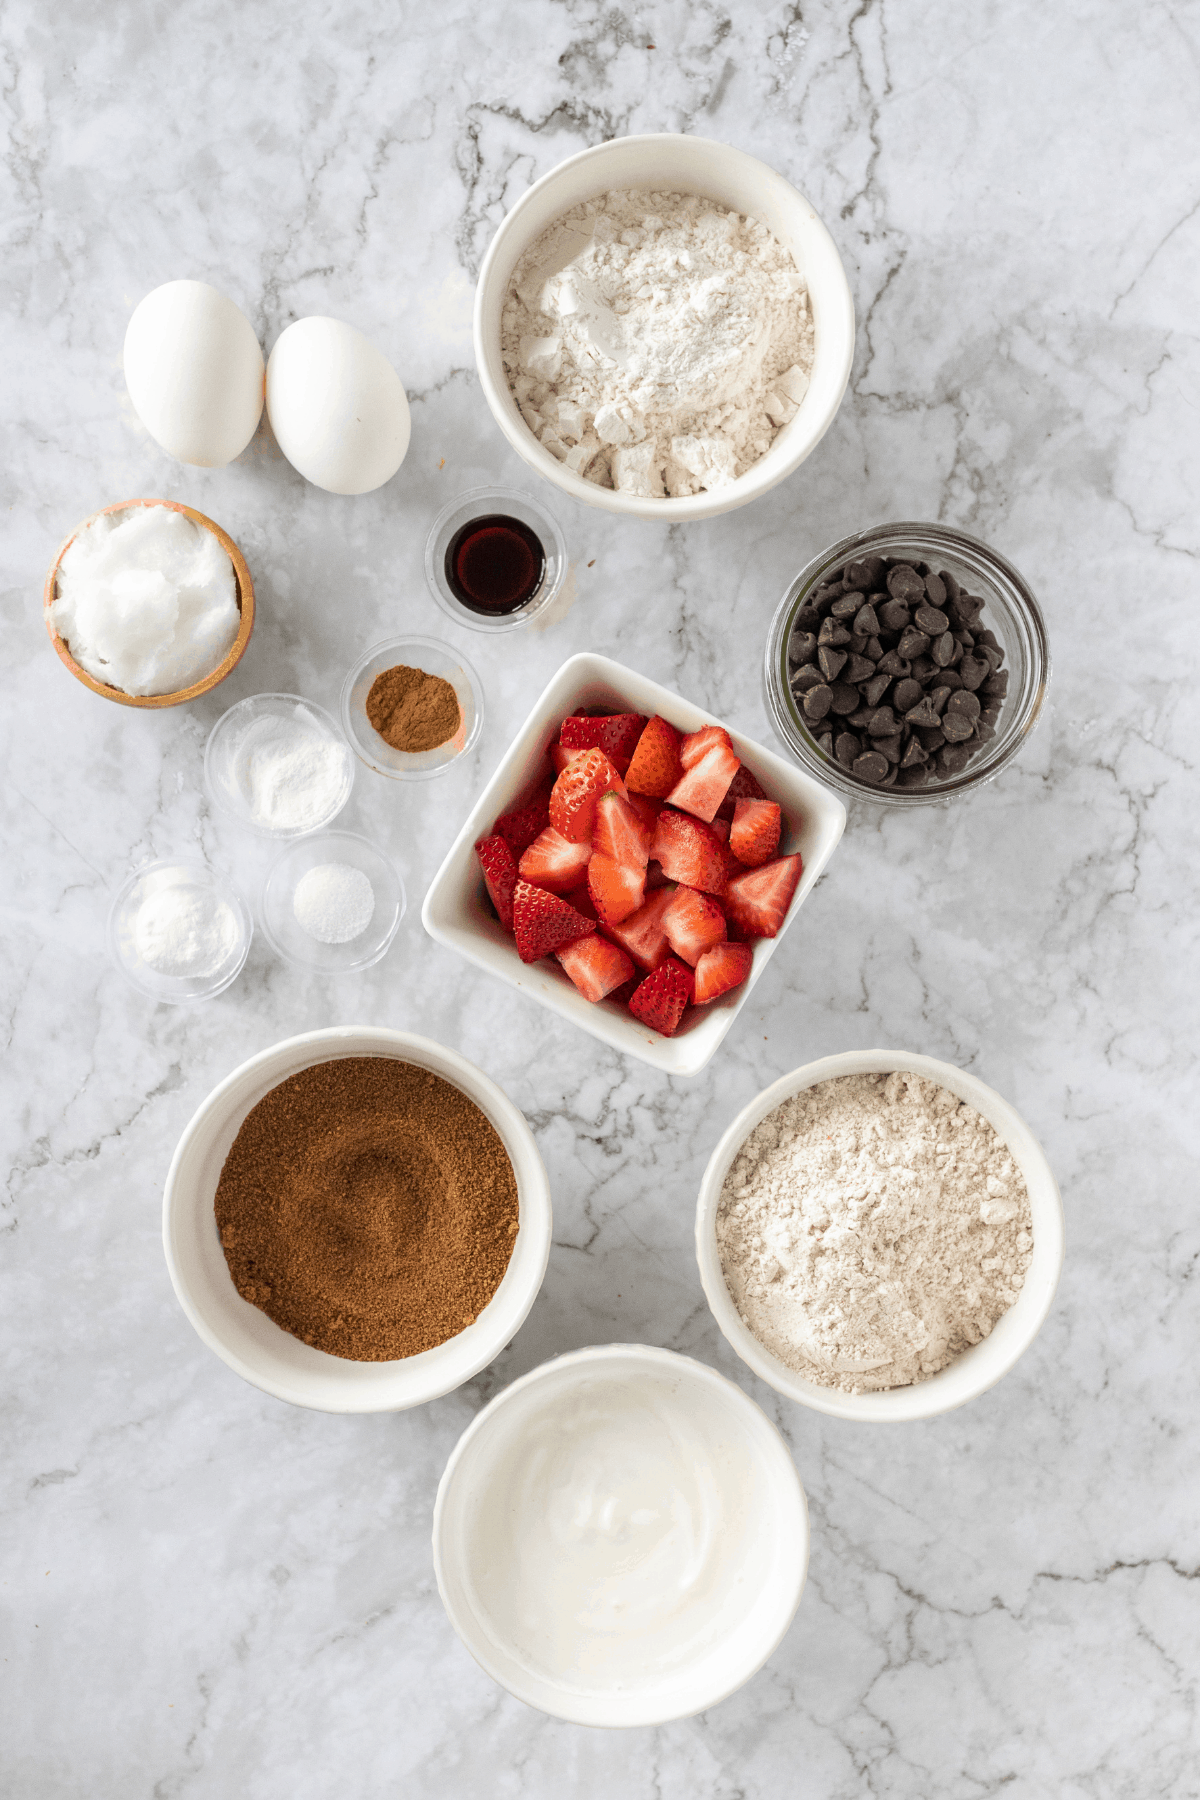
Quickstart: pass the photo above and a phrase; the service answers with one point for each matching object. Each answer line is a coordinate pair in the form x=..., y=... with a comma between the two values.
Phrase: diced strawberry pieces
x=701, y=789
x=595, y=966
x=744, y=786
x=616, y=889
x=689, y=852
x=646, y=808
x=654, y=875
x=560, y=757
x=617, y=734
x=581, y=900
x=661, y=1000
x=697, y=744
x=693, y=923
x=641, y=934
x=499, y=867
x=576, y=794
x=655, y=767
x=723, y=967
x=754, y=834
x=620, y=832
x=554, y=862
x=519, y=827
x=543, y=923
x=758, y=900
x=721, y=827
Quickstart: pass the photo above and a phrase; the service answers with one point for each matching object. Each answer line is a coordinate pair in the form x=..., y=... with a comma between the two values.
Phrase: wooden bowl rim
x=245, y=600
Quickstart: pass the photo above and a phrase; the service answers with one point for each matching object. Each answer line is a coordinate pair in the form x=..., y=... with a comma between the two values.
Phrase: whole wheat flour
x=656, y=343
x=871, y=1229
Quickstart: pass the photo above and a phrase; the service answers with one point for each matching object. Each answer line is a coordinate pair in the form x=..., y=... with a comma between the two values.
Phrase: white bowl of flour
x=804, y=1210
x=662, y=359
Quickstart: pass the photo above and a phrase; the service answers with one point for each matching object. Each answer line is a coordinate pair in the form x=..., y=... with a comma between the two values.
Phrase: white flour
x=871, y=1229
x=657, y=343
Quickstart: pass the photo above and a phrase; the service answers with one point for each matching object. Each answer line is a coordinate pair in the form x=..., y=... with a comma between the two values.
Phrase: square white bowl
x=457, y=912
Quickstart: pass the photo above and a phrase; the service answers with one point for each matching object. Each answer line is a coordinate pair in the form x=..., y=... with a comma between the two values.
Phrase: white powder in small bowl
x=334, y=903
x=186, y=932
x=291, y=773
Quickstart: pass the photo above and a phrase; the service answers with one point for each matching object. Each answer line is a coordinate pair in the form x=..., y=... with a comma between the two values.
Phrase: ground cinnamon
x=412, y=710
x=368, y=1207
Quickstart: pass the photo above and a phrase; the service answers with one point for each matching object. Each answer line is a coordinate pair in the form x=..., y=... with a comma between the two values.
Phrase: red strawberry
x=721, y=827
x=595, y=966
x=620, y=832
x=646, y=808
x=758, y=900
x=544, y=922
x=641, y=934
x=693, y=923
x=655, y=767
x=723, y=967
x=499, y=867
x=697, y=744
x=702, y=788
x=617, y=735
x=560, y=757
x=661, y=1000
x=689, y=852
x=553, y=862
x=520, y=826
x=581, y=900
x=616, y=889
x=744, y=786
x=754, y=834
x=654, y=876
x=576, y=793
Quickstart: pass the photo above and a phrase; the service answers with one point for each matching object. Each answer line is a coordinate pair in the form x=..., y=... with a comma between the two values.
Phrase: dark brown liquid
x=495, y=564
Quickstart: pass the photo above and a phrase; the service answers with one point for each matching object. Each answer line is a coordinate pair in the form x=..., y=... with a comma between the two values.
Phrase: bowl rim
x=245, y=598
x=838, y=323
x=925, y=1399
x=785, y=1475
x=329, y=1043
x=389, y=644
x=310, y=840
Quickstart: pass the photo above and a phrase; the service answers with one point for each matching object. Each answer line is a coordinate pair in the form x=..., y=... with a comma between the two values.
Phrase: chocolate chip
x=949, y=678
x=914, y=754
x=935, y=589
x=969, y=607
x=923, y=713
x=894, y=663
x=891, y=747
x=914, y=643
x=845, y=606
x=988, y=637
x=832, y=661
x=923, y=668
x=845, y=697
x=953, y=758
x=817, y=702
x=963, y=705
x=873, y=649
x=858, y=720
x=938, y=696
x=846, y=747
x=859, y=668
x=943, y=649
x=806, y=678
x=971, y=671
x=950, y=583
x=870, y=766
x=865, y=572
x=956, y=728
x=931, y=740
x=995, y=684
x=883, y=722
x=802, y=649
x=907, y=695
x=832, y=632
x=825, y=742
x=903, y=582
x=865, y=622
x=807, y=619
x=914, y=777
x=889, y=779
x=984, y=730
x=994, y=657
x=874, y=690
x=894, y=616
x=991, y=712
x=931, y=621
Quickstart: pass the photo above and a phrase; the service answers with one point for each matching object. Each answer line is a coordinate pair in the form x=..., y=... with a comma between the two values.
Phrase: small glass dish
x=1010, y=610
x=221, y=774
x=160, y=877
x=435, y=659
x=284, y=932
x=481, y=503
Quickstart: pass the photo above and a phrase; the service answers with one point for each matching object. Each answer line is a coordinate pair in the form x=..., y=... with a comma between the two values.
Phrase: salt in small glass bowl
x=153, y=878
x=435, y=659
x=283, y=930
x=481, y=503
x=220, y=779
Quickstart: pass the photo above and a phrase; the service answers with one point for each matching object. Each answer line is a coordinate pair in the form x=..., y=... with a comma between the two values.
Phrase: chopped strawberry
x=744, y=786
x=576, y=793
x=689, y=852
x=544, y=922
x=655, y=767
x=661, y=1000
x=581, y=900
x=758, y=900
x=553, y=862
x=754, y=834
x=619, y=832
x=616, y=889
x=595, y=966
x=697, y=744
x=523, y=824
x=560, y=757
x=646, y=808
x=702, y=788
x=721, y=827
x=616, y=734
x=499, y=867
x=723, y=967
x=654, y=875
x=641, y=934
x=693, y=923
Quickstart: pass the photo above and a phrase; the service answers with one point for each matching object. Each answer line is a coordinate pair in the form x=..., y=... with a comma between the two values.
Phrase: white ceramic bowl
x=772, y=1549
x=254, y=1345
x=978, y=1368
x=456, y=910
x=694, y=165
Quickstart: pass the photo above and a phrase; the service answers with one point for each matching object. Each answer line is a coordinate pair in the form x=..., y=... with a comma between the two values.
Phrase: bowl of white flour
x=879, y=1236
x=663, y=327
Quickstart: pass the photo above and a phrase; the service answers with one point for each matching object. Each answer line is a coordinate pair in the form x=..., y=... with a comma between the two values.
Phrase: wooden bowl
x=245, y=600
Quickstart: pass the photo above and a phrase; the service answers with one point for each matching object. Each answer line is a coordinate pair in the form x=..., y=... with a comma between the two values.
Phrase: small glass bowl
x=153, y=878
x=1010, y=610
x=284, y=932
x=435, y=659
x=478, y=503
x=220, y=777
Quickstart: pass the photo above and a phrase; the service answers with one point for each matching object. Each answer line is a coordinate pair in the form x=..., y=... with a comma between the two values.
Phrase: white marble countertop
x=206, y=1593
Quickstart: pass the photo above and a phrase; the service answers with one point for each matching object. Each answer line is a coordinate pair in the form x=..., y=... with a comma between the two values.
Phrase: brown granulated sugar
x=368, y=1207
x=412, y=710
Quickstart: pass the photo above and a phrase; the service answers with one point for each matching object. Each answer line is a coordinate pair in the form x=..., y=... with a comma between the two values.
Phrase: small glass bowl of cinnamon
x=411, y=707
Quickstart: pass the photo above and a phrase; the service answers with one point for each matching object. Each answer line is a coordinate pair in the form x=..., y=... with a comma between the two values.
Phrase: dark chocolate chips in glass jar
x=893, y=673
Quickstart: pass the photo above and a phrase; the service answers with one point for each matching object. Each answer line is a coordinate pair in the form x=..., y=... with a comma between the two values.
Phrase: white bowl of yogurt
x=621, y=1537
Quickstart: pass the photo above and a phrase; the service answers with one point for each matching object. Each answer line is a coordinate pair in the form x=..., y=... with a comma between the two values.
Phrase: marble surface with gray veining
x=207, y=1593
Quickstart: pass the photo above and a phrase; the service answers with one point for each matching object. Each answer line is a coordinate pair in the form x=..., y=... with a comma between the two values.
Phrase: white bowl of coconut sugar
x=663, y=327
x=879, y=1236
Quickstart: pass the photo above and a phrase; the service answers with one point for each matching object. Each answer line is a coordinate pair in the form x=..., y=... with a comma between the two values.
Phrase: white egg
x=195, y=373
x=336, y=406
